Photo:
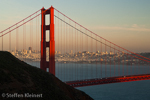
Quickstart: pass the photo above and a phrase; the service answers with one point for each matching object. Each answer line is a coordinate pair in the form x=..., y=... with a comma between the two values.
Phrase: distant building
x=30, y=48
x=58, y=52
x=79, y=52
x=97, y=51
x=111, y=53
x=24, y=51
x=106, y=53
x=29, y=51
x=82, y=54
x=84, y=51
x=101, y=59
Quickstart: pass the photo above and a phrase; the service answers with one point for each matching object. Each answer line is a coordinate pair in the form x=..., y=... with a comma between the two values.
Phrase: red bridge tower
x=51, y=43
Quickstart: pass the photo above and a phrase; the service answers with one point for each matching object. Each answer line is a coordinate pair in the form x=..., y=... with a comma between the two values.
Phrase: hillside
x=17, y=78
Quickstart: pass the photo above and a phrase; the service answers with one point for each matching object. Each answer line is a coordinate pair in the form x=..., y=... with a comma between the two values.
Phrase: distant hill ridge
x=18, y=77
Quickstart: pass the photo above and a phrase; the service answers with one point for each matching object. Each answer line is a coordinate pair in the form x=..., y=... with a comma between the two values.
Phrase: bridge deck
x=88, y=82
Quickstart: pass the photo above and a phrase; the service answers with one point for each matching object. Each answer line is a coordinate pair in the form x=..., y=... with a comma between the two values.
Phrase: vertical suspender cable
x=91, y=57
x=81, y=54
x=69, y=37
x=96, y=56
x=23, y=40
x=138, y=66
x=30, y=33
x=58, y=46
x=110, y=53
x=9, y=40
x=16, y=38
x=36, y=38
x=2, y=41
x=75, y=53
x=119, y=62
x=87, y=56
x=131, y=65
x=114, y=60
x=127, y=64
x=72, y=54
x=61, y=49
x=81, y=35
x=105, y=58
x=101, y=59
x=64, y=50
x=55, y=23
x=123, y=62
x=17, y=35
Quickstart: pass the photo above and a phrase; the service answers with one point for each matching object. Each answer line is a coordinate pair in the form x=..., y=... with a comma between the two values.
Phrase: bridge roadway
x=89, y=82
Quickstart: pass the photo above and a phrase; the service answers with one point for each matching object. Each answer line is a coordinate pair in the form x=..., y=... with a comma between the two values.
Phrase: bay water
x=137, y=90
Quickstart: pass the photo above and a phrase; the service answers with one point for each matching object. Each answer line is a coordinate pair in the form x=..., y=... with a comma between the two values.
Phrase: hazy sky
x=124, y=22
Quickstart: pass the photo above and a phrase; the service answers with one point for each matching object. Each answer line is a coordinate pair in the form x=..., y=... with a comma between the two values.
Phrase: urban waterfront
x=84, y=57
x=137, y=90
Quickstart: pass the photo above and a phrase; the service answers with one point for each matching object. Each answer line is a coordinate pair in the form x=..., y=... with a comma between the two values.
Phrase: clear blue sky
x=124, y=22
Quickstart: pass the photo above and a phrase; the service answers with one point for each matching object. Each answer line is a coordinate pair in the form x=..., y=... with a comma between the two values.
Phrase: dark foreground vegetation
x=17, y=79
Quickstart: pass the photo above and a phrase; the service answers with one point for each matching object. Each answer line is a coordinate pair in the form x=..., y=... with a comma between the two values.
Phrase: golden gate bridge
x=71, y=52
